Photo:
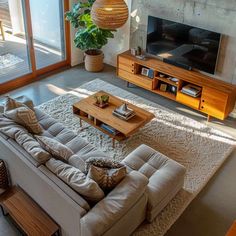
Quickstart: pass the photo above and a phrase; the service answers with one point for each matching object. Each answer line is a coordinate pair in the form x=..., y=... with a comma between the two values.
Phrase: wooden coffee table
x=95, y=116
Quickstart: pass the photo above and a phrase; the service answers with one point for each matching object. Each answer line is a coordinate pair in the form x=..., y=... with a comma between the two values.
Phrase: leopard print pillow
x=105, y=172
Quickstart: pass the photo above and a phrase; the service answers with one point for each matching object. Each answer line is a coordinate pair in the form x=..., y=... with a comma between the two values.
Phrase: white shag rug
x=201, y=149
x=8, y=60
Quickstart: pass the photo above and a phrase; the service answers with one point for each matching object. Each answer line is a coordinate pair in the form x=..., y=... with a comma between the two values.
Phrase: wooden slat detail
x=139, y=80
x=28, y=215
x=214, y=102
x=126, y=65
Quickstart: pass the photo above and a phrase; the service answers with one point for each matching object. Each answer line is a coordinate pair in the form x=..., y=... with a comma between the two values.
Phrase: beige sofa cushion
x=76, y=179
x=57, y=149
x=9, y=127
x=77, y=162
x=22, y=115
x=26, y=140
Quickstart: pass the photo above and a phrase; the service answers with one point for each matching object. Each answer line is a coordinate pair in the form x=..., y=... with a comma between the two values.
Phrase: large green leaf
x=88, y=35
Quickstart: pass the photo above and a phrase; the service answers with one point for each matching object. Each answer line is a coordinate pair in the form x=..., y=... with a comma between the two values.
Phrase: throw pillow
x=22, y=115
x=57, y=149
x=25, y=117
x=76, y=179
x=11, y=103
x=105, y=172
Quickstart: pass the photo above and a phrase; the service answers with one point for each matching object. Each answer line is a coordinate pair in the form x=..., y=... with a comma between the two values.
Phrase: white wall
x=115, y=46
x=76, y=54
x=120, y=43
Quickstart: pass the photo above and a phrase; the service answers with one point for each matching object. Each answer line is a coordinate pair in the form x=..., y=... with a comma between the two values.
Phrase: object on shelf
x=141, y=57
x=109, y=129
x=161, y=75
x=175, y=80
x=101, y=101
x=172, y=89
x=151, y=73
x=163, y=87
x=145, y=71
x=192, y=90
x=123, y=112
x=139, y=51
x=134, y=51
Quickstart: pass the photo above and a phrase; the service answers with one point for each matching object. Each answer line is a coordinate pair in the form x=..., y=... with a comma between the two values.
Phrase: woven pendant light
x=109, y=14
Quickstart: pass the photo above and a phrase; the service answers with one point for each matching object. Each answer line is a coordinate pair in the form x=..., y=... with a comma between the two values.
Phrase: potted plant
x=102, y=101
x=88, y=37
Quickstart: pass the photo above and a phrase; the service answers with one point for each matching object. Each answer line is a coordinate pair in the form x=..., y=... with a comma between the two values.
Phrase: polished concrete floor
x=212, y=212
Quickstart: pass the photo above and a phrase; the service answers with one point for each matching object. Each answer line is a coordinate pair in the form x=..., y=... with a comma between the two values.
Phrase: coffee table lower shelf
x=96, y=124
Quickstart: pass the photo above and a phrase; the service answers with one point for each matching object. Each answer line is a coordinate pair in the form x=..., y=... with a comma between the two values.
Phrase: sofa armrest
x=115, y=205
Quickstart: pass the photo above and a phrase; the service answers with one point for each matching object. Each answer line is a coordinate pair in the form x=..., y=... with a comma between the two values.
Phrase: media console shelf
x=217, y=98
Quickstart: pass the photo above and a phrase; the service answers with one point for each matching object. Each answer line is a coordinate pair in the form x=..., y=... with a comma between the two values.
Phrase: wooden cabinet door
x=214, y=102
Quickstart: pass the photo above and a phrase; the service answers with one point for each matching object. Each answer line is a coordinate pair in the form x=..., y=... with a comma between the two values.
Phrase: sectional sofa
x=152, y=181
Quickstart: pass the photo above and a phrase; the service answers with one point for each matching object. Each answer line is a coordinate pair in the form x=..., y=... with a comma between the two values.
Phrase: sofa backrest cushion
x=28, y=142
x=76, y=179
x=57, y=149
x=65, y=188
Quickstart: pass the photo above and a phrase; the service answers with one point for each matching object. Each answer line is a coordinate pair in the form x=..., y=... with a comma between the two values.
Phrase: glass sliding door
x=14, y=47
x=34, y=39
x=47, y=19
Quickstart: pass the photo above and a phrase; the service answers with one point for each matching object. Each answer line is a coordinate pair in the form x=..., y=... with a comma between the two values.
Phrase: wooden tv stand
x=217, y=98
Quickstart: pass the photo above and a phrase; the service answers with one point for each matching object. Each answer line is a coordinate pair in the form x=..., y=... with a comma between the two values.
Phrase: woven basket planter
x=93, y=60
x=4, y=183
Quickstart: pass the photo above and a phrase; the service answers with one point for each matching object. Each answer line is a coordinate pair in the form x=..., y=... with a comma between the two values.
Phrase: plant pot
x=93, y=60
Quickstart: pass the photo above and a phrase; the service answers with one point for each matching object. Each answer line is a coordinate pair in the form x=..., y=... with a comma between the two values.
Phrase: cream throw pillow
x=57, y=149
x=22, y=115
x=76, y=179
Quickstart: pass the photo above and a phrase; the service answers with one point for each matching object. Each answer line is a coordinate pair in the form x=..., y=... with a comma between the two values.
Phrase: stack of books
x=192, y=90
x=123, y=112
x=109, y=129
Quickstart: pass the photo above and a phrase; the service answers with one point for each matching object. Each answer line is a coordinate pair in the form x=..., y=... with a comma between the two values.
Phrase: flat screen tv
x=183, y=45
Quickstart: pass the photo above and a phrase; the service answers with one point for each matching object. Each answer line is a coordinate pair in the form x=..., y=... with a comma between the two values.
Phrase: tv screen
x=183, y=44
